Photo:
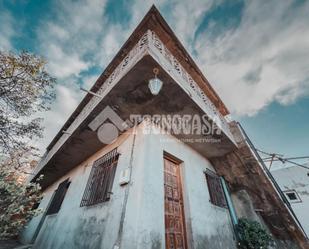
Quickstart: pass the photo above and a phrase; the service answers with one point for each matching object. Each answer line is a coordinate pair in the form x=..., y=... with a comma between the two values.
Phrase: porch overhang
x=126, y=91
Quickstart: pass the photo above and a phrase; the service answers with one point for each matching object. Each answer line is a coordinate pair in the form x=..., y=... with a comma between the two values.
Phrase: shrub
x=17, y=202
x=252, y=235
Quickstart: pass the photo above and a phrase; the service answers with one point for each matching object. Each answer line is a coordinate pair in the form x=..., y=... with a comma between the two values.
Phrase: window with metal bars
x=215, y=189
x=58, y=197
x=100, y=182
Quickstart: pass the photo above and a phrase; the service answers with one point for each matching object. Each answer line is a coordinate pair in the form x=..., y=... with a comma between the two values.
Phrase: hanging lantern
x=155, y=84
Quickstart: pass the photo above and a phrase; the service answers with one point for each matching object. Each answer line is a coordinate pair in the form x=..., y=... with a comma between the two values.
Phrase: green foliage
x=25, y=88
x=252, y=235
x=17, y=201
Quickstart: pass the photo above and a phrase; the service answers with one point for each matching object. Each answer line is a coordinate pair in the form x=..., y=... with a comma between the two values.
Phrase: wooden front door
x=175, y=232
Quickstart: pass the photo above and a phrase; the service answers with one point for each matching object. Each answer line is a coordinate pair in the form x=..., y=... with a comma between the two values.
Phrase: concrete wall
x=97, y=226
x=296, y=178
x=207, y=226
x=82, y=227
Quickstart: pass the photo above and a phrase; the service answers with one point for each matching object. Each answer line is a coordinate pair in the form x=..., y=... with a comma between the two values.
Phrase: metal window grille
x=101, y=179
x=215, y=189
x=58, y=197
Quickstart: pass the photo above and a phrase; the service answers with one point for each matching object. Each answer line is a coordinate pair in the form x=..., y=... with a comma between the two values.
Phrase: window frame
x=293, y=191
x=101, y=179
x=215, y=189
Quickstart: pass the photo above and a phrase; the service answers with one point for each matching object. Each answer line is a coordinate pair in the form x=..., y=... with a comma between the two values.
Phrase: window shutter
x=58, y=198
x=215, y=189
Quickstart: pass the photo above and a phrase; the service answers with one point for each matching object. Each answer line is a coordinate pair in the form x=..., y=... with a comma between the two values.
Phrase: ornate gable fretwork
x=152, y=45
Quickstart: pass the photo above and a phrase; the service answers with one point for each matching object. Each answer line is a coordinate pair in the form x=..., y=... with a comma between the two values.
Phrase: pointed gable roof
x=154, y=21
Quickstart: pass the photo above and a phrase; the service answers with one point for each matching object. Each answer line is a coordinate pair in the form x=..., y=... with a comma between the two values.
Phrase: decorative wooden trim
x=149, y=44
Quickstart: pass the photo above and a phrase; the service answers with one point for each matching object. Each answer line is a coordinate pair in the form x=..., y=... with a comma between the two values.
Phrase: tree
x=25, y=89
x=18, y=200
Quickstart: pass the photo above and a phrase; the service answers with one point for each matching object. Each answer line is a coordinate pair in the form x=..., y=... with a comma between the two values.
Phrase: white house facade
x=117, y=176
x=294, y=182
x=134, y=215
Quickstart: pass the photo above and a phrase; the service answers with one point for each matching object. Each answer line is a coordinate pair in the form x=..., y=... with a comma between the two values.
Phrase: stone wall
x=255, y=196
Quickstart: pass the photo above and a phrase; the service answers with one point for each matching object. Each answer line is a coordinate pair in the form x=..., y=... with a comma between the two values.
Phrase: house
x=149, y=160
x=294, y=182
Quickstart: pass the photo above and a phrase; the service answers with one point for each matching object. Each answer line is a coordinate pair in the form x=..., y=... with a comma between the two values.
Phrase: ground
x=11, y=244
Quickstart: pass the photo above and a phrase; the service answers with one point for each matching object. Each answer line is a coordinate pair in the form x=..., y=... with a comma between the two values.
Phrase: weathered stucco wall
x=207, y=226
x=296, y=178
x=82, y=227
x=97, y=226
x=244, y=174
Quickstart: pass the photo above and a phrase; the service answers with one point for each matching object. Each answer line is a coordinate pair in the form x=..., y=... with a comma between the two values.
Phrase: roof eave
x=150, y=21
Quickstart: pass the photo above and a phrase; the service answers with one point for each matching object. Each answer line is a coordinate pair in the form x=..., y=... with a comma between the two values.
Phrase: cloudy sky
x=254, y=53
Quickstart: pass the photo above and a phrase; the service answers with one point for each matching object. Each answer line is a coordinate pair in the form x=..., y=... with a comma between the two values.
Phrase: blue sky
x=254, y=53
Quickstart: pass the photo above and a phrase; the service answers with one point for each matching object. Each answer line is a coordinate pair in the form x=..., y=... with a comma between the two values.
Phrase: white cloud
x=63, y=65
x=89, y=80
x=7, y=30
x=186, y=17
x=68, y=97
x=183, y=16
x=114, y=37
x=70, y=40
x=264, y=59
